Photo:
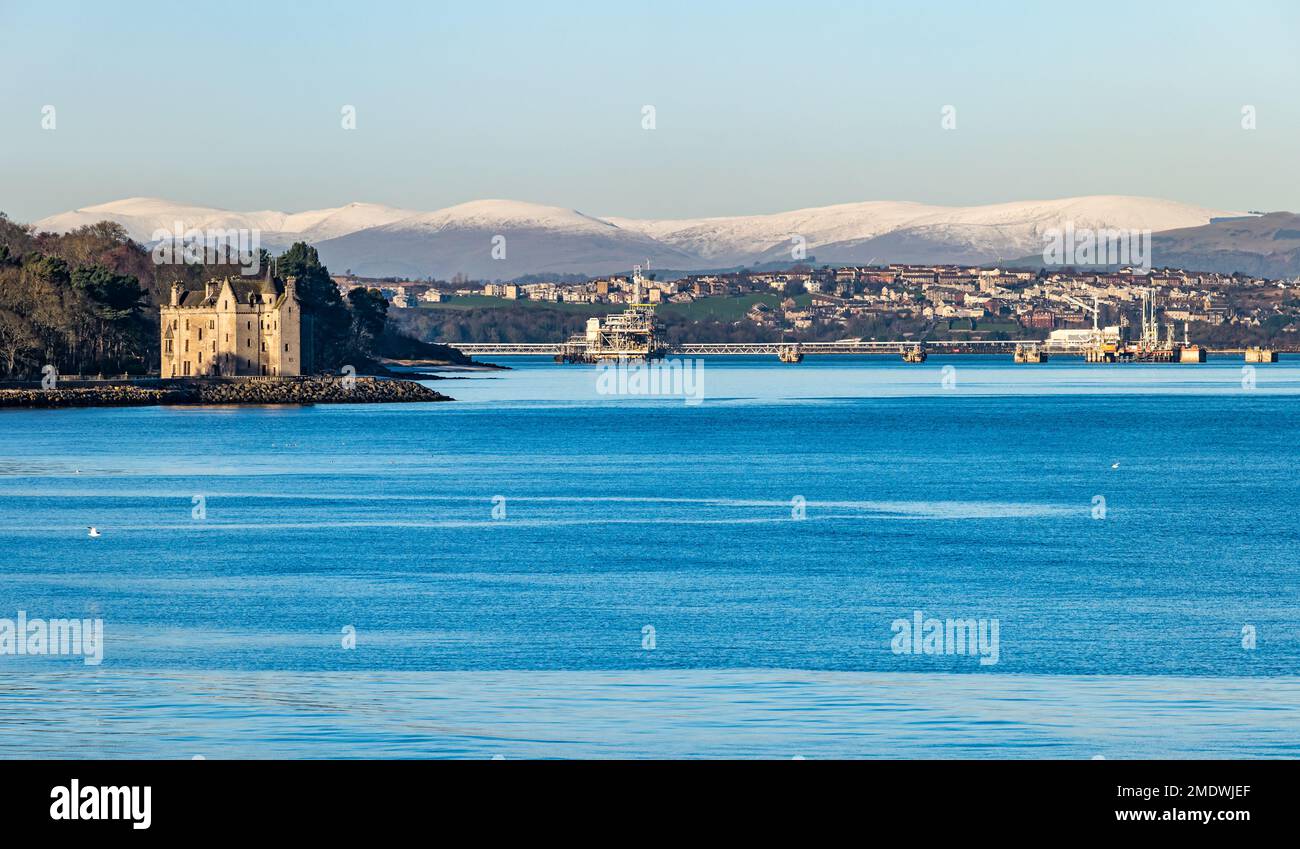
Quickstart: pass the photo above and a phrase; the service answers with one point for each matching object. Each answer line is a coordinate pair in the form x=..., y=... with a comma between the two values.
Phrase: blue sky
x=760, y=107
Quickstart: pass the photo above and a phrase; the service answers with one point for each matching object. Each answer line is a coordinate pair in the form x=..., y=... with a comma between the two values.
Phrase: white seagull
x=93, y=533
x=1114, y=465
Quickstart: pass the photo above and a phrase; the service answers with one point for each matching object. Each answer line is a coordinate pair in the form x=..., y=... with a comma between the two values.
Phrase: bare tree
x=17, y=341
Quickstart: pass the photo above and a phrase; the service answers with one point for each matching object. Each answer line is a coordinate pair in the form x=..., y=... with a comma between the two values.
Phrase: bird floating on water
x=1114, y=465
x=93, y=533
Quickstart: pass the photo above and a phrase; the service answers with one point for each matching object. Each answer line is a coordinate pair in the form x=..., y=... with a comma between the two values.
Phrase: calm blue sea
x=542, y=570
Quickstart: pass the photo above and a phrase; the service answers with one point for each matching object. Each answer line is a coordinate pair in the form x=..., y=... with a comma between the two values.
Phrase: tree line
x=87, y=301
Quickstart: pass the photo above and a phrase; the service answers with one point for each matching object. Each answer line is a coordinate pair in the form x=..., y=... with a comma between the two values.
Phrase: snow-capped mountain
x=143, y=217
x=321, y=224
x=903, y=231
x=501, y=239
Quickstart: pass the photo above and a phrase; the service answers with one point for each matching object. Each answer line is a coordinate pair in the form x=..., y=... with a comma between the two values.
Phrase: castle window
x=286, y=346
x=200, y=334
x=263, y=346
x=212, y=325
x=187, y=324
x=250, y=325
x=250, y=344
x=187, y=346
x=225, y=305
x=200, y=356
x=187, y=368
x=169, y=346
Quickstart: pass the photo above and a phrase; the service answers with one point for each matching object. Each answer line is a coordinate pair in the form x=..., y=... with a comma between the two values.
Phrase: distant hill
x=1265, y=246
x=532, y=239
x=900, y=231
x=143, y=216
x=379, y=241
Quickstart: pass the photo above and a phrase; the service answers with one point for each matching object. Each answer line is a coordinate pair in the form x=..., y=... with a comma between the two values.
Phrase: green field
x=726, y=308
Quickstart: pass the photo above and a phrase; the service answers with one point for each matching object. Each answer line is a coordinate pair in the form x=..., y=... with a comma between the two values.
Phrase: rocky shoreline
x=302, y=390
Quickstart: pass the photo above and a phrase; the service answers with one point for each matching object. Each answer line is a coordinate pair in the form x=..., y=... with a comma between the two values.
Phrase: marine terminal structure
x=634, y=334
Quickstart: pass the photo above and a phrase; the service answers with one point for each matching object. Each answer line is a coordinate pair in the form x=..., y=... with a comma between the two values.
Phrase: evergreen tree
x=369, y=318
x=329, y=319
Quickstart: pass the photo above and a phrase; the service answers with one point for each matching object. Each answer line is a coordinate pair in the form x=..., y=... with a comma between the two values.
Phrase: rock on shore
x=314, y=390
x=302, y=390
x=105, y=396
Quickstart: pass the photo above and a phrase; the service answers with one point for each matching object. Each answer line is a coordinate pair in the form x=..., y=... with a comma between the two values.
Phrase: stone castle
x=234, y=327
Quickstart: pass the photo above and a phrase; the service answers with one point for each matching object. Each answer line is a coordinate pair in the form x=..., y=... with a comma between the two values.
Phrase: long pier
x=710, y=349
x=1024, y=350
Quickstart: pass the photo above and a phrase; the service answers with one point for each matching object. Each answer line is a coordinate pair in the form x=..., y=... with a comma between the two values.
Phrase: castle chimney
x=177, y=288
x=209, y=289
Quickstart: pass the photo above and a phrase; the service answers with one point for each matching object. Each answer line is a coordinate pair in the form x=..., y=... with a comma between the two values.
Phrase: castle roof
x=243, y=287
x=191, y=299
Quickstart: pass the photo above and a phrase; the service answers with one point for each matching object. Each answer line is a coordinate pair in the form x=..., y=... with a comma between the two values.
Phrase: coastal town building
x=899, y=299
x=233, y=327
